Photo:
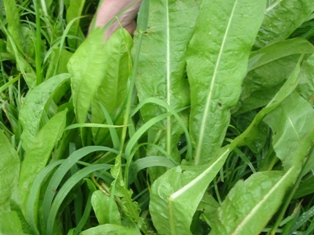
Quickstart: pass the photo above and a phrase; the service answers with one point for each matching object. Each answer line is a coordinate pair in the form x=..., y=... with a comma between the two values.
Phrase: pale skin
x=109, y=9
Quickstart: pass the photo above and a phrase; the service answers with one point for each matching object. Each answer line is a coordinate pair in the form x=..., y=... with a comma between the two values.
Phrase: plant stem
x=38, y=44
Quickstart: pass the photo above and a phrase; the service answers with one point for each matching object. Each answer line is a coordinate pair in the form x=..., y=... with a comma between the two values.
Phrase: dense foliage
x=203, y=123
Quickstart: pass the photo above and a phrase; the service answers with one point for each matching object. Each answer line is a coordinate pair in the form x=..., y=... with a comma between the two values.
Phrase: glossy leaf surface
x=216, y=64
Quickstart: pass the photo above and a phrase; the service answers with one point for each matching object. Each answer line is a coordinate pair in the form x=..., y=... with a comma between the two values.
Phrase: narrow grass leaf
x=251, y=203
x=38, y=155
x=282, y=18
x=31, y=213
x=34, y=107
x=65, y=190
x=57, y=177
x=216, y=64
x=9, y=172
x=146, y=162
x=75, y=11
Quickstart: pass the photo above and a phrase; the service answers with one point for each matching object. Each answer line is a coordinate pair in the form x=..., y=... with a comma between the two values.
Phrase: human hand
x=111, y=8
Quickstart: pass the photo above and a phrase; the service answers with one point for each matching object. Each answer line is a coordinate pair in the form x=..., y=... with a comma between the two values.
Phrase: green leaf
x=9, y=172
x=171, y=206
x=306, y=85
x=58, y=61
x=261, y=84
x=279, y=50
x=251, y=203
x=216, y=64
x=282, y=17
x=38, y=155
x=292, y=122
x=34, y=107
x=110, y=229
x=65, y=190
x=105, y=208
x=73, y=11
x=112, y=92
x=161, y=65
x=10, y=224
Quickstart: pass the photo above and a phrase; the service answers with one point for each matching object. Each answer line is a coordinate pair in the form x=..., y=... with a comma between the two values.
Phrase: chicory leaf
x=279, y=50
x=306, y=85
x=10, y=224
x=34, y=107
x=110, y=229
x=171, y=206
x=112, y=91
x=106, y=209
x=251, y=203
x=38, y=155
x=292, y=122
x=282, y=17
x=9, y=172
x=216, y=64
x=161, y=65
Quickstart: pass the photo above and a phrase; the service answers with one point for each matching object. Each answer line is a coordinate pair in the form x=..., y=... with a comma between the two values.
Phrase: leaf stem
x=39, y=77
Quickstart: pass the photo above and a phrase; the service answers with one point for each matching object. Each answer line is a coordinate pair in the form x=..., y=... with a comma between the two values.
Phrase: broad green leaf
x=176, y=187
x=110, y=229
x=171, y=206
x=306, y=85
x=105, y=208
x=161, y=65
x=216, y=64
x=250, y=204
x=73, y=11
x=293, y=123
x=261, y=84
x=9, y=172
x=87, y=69
x=10, y=224
x=34, y=107
x=279, y=50
x=112, y=91
x=38, y=155
x=282, y=17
